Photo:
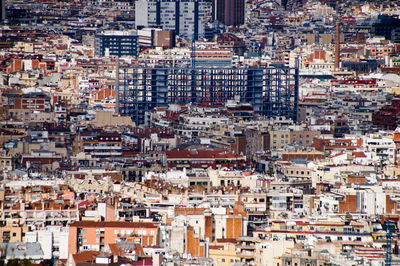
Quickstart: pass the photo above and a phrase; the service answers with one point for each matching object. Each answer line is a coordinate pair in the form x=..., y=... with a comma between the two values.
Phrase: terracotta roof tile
x=85, y=256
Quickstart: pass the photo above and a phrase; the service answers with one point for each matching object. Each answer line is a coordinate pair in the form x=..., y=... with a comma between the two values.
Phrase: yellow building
x=11, y=233
x=224, y=254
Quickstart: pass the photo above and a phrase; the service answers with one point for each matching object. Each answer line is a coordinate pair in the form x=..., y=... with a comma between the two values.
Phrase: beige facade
x=6, y=162
x=109, y=119
x=29, y=115
x=280, y=139
x=224, y=255
x=296, y=171
x=12, y=233
x=303, y=137
x=91, y=185
x=277, y=139
x=23, y=115
x=268, y=251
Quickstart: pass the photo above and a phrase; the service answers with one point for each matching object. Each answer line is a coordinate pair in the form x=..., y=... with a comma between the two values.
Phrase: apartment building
x=99, y=143
x=90, y=235
x=187, y=18
x=116, y=43
x=204, y=159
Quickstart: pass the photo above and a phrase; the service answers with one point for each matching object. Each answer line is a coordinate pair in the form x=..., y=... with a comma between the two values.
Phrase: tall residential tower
x=186, y=17
x=229, y=12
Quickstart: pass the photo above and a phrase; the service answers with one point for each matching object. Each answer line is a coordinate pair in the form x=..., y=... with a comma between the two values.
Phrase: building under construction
x=272, y=91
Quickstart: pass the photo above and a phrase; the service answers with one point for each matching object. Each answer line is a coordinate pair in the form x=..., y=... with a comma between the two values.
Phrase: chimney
x=337, y=48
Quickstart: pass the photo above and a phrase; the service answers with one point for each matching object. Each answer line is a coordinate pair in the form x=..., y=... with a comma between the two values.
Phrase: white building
x=186, y=17
x=53, y=240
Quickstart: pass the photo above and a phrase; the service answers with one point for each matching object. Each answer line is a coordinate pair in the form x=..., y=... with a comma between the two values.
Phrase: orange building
x=102, y=93
x=323, y=144
x=349, y=204
x=90, y=235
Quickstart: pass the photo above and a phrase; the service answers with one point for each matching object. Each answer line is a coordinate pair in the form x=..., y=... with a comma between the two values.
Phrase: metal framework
x=272, y=91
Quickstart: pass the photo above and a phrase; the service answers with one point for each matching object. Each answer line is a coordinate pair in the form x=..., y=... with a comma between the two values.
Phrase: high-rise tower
x=229, y=12
x=337, y=46
x=186, y=17
x=2, y=10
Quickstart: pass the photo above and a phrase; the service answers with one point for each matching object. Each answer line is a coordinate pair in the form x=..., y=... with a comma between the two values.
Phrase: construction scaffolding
x=272, y=91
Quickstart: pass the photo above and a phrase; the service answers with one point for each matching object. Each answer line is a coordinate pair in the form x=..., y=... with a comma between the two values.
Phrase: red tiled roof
x=115, y=249
x=337, y=155
x=85, y=256
x=84, y=203
x=143, y=262
x=359, y=154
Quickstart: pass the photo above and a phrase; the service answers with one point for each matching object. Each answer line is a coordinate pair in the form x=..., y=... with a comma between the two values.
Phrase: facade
x=53, y=240
x=2, y=10
x=384, y=25
x=99, y=143
x=271, y=91
x=154, y=37
x=187, y=17
x=229, y=12
x=88, y=235
x=116, y=43
x=203, y=158
x=11, y=234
